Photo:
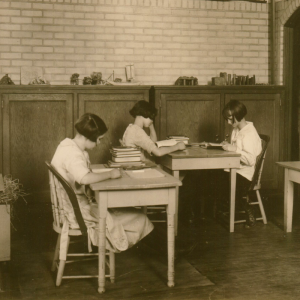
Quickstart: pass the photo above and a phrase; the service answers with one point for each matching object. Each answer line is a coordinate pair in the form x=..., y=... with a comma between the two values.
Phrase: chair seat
x=73, y=232
x=257, y=187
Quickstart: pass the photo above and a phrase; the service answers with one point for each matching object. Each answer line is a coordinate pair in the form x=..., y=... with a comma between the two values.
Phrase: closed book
x=125, y=153
x=124, y=148
x=126, y=159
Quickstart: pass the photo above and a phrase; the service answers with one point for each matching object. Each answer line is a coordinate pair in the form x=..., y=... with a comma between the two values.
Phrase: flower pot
x=4, y=232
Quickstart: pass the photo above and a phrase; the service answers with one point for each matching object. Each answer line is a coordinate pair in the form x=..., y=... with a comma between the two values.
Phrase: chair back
x=265, y=139
x=57, y=202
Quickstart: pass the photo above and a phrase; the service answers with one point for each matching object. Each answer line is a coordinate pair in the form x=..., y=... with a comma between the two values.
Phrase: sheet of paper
x=146, y=173
x=102, y=170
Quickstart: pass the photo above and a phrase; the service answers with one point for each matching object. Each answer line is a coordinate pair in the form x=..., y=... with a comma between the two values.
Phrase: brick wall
x=164, y=39
x=284, y=10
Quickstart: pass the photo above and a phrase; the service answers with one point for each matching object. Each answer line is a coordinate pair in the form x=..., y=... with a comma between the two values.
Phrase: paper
x=102, y=170
x=148, y=173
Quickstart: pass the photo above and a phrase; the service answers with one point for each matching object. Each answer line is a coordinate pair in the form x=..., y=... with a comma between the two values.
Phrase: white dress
x=136, y=136
x=124, y=226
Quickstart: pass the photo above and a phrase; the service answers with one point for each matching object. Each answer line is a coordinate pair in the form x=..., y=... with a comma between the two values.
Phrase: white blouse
x=248, y=144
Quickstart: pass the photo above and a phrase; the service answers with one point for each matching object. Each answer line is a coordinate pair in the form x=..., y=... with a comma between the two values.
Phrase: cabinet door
x=264, y=112
x=113, y=107
x=33, y=126
x=196, y=115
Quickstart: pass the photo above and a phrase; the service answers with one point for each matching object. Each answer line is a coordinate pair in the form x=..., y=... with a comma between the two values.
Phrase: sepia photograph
x=149, y=149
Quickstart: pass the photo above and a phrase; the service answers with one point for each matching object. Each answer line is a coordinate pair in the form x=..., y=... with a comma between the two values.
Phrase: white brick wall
x=164, y=39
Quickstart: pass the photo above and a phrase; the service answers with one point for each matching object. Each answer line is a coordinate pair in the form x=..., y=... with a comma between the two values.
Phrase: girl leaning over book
x=245, y=141
x=135, y=135
x=124, y=226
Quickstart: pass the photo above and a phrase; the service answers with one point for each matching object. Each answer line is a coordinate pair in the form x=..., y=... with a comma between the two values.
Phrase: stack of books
x=125, y=156
x=179, y=138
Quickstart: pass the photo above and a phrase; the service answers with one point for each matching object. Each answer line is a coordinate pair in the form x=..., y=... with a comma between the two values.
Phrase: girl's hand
x=115, y=173
x=229, y=147
x=181, y=146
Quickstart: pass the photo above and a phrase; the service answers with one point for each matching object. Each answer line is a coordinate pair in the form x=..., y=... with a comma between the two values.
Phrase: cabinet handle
x=226, y=137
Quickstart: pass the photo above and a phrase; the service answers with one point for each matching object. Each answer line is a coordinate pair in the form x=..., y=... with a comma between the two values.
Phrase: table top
x=128, y=183
x=294, y=165
x=198, y=152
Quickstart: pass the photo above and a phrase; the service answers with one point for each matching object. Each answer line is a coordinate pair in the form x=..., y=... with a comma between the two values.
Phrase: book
x=125, y=153
x=179, y=138
x=126, y=159
x=124, y=148
x=166, y=143
x=212, y=146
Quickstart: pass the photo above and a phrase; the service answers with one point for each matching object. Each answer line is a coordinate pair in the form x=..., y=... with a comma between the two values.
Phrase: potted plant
x=10, y=191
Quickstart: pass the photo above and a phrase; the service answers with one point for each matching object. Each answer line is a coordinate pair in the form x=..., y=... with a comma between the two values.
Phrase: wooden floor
x=259, y=263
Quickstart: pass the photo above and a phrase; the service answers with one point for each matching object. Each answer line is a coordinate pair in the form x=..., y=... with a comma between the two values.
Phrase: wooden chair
x=56, y=182
x=255, y=184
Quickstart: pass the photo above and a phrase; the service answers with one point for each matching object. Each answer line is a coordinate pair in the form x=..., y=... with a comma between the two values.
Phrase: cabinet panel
x=33, y=126
x=264, y=111
x=113, y=107
x=194, y=115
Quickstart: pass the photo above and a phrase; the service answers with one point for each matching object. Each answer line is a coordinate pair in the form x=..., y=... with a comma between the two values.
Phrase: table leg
x=232, y=197
x=102, y=206
x=171, y=236
x=176, y=175
x=288, y=201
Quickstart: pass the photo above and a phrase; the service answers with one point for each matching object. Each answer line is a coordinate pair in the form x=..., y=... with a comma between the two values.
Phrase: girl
x=246, y=141
x=135, y=135
x=125, y=226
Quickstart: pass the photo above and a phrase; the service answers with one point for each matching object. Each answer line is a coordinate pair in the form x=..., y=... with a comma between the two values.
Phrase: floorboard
x=259, y=263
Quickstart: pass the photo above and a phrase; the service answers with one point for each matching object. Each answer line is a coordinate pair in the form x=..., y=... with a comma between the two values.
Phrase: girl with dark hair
x=125, y=226
x=245, y=141
x=135, y=135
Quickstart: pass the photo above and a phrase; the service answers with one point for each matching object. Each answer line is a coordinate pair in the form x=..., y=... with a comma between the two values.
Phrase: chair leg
x=261, y=207
x=61, y=267
x=60, y=272
x=56, y=253
x=112, y=266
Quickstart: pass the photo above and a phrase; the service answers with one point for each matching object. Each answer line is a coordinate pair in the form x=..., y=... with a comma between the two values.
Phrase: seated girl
x=125, y=226
x=246, y=141
x=135, y=135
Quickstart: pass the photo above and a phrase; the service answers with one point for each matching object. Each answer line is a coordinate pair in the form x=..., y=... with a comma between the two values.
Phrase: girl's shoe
x=250, y=217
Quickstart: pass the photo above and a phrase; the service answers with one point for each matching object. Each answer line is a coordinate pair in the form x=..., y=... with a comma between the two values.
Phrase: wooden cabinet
x=112, y=105
x=190, y=111
x=196, y=111
x=35, y=119
x=34, y=123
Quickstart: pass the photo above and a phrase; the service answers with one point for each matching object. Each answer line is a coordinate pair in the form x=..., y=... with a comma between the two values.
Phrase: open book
x=212, y=146
x=166, y=143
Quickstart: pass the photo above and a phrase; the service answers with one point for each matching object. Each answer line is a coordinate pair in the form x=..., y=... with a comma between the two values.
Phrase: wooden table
x=291, y=176
x=197, y=158
x=130, y=192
